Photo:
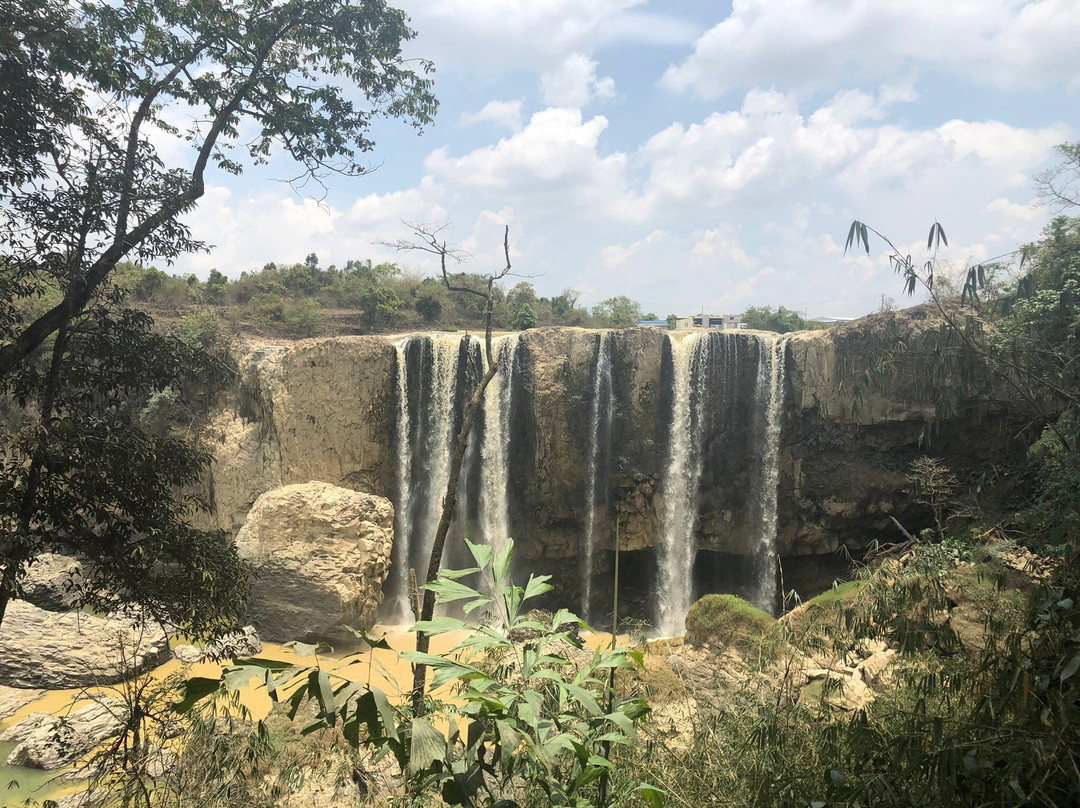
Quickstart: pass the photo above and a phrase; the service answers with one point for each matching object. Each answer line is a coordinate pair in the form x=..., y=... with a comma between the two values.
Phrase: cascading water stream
x=769, y=396
x=682, y=475
x=603, y=410
x=401, y=611
x=424, y=438
x=495, y=450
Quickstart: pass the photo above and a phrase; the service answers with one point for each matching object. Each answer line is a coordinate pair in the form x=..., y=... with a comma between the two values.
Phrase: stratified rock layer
x=40, y=649
x=320, y=555
x=326, y=409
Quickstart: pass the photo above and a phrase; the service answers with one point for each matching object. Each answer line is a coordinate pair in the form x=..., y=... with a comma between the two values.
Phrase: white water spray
x=495, y=450
x=769, y=395
x=402, y=611
x=602, y=414
x=680, y=482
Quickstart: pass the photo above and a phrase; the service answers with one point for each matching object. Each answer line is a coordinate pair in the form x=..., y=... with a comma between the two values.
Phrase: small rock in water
x=13, y=699
x=242, y=643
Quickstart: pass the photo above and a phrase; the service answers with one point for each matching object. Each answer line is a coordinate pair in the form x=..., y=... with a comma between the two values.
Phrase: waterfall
x=400, y=611
x=769, y=398
x=424, y=439
x=495, y=450
x=603, y=410
x=677, y=546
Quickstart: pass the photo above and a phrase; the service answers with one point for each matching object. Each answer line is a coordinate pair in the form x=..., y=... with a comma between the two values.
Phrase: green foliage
x=532, y=711
x=985, y=719
x=380, y=305
x=617, y=312
x=782, y=320
x=1052, y=519
x=672, y=322
x=726, y=620
x=304, y=78
x=1020, y=339
x=83, y=475
x=524, y=317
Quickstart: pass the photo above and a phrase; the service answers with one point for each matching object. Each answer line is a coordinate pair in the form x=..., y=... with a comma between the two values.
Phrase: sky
x=695, y=155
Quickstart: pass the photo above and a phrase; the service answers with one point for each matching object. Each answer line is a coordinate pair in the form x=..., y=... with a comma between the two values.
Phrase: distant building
x=830, y=320
x=652, y=323
x=720, y=322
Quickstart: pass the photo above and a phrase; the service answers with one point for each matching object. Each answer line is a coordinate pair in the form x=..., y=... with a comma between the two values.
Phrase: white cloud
x=491, y=35
x=501, y=113
x=741, y=207
x=552, y=165
x=1005, y=43
x=575, y=83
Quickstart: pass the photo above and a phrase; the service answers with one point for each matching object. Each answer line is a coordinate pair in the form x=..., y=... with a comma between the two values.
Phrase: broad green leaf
x=634, y=708
x=656, y=797
x=372, y=641
x=584, y=698
x=303, y=649
x=319, y=684
x=440, y=625
x=473, y=605
x=428, y=745
x=448, y=591
x=508, y=735
x=1071, y=667
x=480, y=552
x=387, y=714
x=537, y=585
x=195, y=690
x=500, y=563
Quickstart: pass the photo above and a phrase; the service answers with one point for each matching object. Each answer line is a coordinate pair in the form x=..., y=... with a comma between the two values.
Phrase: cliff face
x=327, y=410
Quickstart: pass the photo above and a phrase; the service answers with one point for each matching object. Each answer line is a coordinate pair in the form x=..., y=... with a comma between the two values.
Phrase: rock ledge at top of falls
x=320, y=554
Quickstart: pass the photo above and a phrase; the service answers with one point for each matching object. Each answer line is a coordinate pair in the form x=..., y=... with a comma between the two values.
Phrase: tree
x=83, y=475
x=1059, y=186
x=215, y=286
x=522, y=301
x=563, y=304
x=82, y=186
x=672, y=322
x=524, y=317
x=765, y=319
x=617, y=312
x=380, y=305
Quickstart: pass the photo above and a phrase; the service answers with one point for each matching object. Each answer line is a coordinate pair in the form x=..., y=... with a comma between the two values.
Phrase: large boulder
x=46, y=741
x=320, y=555
x=52, y=582
x=52, y=650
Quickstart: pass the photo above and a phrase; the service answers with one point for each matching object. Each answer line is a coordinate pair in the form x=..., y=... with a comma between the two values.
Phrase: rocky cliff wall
x=325, y=410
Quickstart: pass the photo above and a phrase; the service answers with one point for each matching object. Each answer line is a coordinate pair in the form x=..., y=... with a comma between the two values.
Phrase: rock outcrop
x=326, y=410
x=46, y=741
x=52, y=581
x=320, y=554
x=40, y=649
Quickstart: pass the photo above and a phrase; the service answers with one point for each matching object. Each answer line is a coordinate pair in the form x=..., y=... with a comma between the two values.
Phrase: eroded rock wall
x=325, y=410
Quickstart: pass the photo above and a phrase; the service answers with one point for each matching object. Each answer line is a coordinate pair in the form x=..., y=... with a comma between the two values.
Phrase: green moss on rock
x=726, y=620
